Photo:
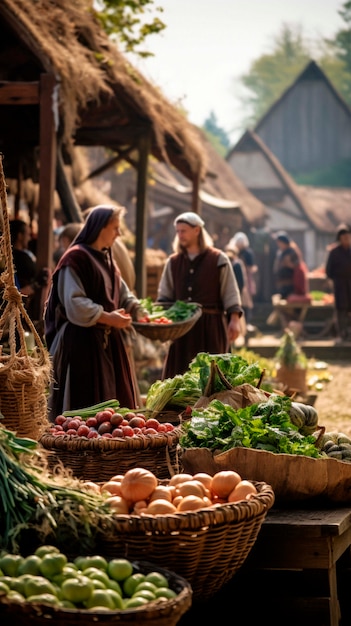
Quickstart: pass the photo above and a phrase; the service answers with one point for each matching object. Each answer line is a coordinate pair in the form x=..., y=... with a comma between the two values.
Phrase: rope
x=15, y=311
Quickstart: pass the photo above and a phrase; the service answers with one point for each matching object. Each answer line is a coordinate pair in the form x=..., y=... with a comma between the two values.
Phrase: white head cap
x=240, y=240
x=193, y=219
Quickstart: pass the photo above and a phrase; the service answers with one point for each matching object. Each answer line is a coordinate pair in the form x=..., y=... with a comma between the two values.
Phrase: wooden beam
x=47, y=171
x=195, y=203
x=141, y=215
x=19, y=93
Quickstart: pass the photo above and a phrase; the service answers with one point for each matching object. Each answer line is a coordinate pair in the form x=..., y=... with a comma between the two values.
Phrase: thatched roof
x=102, y=99
x=330, y=206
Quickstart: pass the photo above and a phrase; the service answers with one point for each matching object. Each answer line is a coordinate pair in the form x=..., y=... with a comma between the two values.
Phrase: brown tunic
x=197, y=280
x=91, y=361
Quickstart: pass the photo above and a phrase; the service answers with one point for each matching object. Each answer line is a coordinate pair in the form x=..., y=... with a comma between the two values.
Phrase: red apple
x=169, y=426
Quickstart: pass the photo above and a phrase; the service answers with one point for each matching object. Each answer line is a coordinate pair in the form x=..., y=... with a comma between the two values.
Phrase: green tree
x=216, y=135
x=341, y=44
x=126, y=22
x=271, y=74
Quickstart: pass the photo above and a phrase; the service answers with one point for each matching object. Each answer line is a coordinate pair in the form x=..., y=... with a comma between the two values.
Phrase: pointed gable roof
x=312, y=71
x=251, y=142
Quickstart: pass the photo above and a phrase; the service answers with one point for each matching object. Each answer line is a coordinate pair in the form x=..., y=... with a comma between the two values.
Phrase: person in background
x=88, y=307
x=246, y=255
x=65, y=238
x=199, y=272
x=288, y=257
x=338, y=269
x=28, y=278
x=241, y=279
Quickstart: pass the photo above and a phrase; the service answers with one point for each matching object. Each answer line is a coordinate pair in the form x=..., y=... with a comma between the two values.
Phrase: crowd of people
x=91, y=302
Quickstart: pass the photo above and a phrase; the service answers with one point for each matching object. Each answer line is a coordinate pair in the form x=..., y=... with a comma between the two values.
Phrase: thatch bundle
x=69, y=42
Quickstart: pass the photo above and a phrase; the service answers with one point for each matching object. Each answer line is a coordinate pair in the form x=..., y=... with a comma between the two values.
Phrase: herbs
x=185, y=389
x=234, y=368
x=178, y=392
x=263, y=426
x=177, y=312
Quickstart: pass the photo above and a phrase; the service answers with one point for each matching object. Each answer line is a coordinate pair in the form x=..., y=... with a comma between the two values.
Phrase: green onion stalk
x=32, y=499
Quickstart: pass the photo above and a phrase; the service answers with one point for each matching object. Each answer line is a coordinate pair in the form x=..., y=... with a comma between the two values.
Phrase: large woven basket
x=207, y=547
x=168, y=332
x=100, y=459
x=24, y=375
x=165, y=613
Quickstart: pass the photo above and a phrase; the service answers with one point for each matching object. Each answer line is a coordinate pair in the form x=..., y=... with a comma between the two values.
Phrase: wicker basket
x=165, y=613
x=24, y=375
x=168, y=332
x=206, y=547
x=100, y=459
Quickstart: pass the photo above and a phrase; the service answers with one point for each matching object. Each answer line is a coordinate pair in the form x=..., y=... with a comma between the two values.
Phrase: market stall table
x=316, y=314
x=290, y=575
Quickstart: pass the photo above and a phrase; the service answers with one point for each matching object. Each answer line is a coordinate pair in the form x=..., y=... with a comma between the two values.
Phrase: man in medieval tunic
x=199, y=272
x=338, y=269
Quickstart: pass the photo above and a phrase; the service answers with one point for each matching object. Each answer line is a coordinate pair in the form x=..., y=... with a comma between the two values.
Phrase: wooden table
x=314, y=312
x=292, y=575
x=303, y=550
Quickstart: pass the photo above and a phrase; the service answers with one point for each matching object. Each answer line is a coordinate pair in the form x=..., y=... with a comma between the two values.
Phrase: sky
x=209, y=44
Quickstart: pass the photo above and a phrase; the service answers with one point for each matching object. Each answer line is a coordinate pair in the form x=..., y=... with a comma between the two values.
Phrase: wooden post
x=195, y=203
x=47, y=158
x=141, y=216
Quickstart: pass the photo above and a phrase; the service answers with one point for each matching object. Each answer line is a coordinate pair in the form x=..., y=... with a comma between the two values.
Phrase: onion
x=223, y=483
x=138, y=484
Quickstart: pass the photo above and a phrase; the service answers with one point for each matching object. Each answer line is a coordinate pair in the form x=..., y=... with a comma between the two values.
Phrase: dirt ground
x=333, y=403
